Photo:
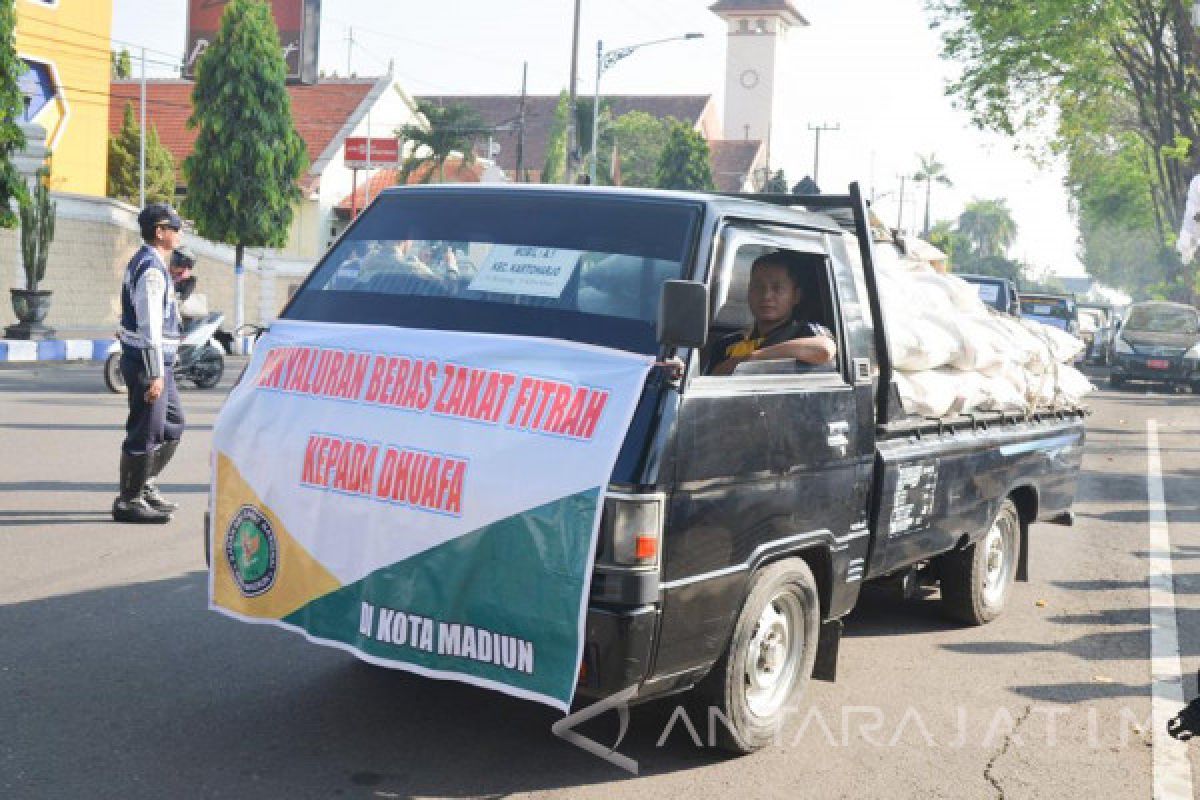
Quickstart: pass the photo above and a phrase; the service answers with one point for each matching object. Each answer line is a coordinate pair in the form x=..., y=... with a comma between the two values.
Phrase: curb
x=17, y=350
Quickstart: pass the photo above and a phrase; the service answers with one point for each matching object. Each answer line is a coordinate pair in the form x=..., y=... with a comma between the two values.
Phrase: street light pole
x=596, y=110
x=604, y=61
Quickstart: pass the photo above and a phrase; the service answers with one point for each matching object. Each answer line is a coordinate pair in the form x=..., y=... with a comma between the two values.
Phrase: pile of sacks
x=954, y=355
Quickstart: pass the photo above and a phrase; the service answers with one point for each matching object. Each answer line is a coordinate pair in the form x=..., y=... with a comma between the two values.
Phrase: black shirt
x=746, y=342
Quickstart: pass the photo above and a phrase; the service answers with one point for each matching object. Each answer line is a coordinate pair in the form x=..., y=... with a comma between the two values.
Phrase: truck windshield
x=990, y=292
x=569, y=265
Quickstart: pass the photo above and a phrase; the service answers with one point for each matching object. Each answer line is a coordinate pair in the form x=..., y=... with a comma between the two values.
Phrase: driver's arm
x=810, y=349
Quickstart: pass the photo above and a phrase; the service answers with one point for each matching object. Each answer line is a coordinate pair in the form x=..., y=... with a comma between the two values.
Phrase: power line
x=93, y=34
x=474, y=54
x=99, y=52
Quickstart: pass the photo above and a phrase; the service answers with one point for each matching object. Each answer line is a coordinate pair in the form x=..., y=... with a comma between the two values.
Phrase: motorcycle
x=200, y=358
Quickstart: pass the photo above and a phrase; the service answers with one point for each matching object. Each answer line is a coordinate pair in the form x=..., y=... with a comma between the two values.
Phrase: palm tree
x=452, y=129
x=989, y=226
x=931, y=171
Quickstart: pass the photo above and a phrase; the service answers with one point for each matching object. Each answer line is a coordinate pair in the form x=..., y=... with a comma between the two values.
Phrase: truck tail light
x=632, y=529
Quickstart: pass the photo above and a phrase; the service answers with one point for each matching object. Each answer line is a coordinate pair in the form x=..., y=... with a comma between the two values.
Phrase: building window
x=743, y=26
x=760, y=26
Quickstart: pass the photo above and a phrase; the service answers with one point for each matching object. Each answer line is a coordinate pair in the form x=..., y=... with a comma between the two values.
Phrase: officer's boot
x=130, y=506
x=150, y=491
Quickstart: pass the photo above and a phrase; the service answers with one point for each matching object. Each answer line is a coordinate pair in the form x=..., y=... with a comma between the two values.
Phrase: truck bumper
x=1138, y=368
x=618, y=649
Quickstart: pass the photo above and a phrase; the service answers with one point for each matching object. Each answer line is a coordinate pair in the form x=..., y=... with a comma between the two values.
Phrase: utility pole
x=521, y=127
x=900, y=213
x=142, y=140
x=572, y=134
x=819, y=129
x=349, y=49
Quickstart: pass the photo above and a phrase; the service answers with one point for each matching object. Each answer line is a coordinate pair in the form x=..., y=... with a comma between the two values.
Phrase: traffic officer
x=149, y=334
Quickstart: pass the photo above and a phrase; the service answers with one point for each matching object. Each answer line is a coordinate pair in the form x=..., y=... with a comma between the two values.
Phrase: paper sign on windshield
x=527, y=270
x=427, y=500
x=988, y=292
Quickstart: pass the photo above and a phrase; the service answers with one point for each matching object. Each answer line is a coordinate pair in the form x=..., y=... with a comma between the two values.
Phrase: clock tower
x=758, y=33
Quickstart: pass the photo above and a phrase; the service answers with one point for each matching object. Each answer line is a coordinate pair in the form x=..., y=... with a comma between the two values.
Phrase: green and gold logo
x=252, y=551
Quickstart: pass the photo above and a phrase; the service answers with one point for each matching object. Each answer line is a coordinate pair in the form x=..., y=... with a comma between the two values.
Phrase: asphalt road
x=115, y=681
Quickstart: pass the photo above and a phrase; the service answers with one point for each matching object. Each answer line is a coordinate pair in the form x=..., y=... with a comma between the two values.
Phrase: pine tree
x=242, y=173
x=555, y=167
x=684, y=163
x=776, y=184
x=123, y=149
x=122, y=65
x=12, y=105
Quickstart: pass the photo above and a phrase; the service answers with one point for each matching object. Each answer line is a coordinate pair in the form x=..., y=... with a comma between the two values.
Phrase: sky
x=870, y=66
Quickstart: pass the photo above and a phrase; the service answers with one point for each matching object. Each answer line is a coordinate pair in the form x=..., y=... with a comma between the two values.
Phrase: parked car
x=760, y=501
x=1091, y=320
x=999, y=293
x=1158, y=342
x=1057, y=310
x=1104, y=322
x=1110, y=336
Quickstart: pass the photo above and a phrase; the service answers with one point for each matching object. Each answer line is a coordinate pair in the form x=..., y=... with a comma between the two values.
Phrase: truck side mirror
x=683, y=314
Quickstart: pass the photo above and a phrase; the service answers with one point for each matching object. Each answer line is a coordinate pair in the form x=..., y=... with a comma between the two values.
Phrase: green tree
x=930, y=172
x=122, y=66
x=640, y=138
x=247, y=158
x=684, y=162
x=453, y=129
x=583, y=122
x=1103, y=68
x=947, y=238
x=988, y=226
x=12, y=105
x=123, y=158
x=776, y=184
x=555, y=167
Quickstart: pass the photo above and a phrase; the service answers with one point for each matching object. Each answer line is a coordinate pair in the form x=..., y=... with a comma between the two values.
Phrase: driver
x=773, y=295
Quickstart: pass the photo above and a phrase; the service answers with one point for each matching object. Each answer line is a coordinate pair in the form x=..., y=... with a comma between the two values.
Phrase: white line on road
x=1172, y=769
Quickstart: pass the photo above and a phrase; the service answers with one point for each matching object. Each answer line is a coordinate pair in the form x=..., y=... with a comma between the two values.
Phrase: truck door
x=768, y=459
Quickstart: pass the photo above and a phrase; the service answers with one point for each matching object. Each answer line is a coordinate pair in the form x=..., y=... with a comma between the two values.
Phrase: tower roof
x=782, y=8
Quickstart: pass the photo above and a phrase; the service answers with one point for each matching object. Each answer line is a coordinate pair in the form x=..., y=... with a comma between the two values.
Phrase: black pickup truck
x=770, y=495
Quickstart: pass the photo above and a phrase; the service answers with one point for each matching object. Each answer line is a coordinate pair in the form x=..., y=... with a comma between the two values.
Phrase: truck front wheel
x=977, y=580
x=769, y=658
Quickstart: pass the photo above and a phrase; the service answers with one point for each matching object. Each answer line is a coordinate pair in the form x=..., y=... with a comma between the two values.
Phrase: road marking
x=1172, y=769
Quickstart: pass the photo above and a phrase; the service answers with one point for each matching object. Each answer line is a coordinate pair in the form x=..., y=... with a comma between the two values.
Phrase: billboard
x=299, y=24
x=364, y=153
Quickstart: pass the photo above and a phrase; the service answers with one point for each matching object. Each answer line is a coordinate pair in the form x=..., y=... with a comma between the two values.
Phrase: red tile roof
x=456, y=172
x=504, y=110
x=320, y=111
x=732, y=160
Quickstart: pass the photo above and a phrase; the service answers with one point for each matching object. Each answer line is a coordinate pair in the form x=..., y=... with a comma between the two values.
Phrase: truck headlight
x=1122, y=347
x=632, y=528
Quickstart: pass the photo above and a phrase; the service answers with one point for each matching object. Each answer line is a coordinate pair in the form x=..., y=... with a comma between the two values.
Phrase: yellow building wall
x=74, y=37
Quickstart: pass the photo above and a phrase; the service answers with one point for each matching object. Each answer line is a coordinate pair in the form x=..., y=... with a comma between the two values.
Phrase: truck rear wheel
x=768, y=660
x=977, y=580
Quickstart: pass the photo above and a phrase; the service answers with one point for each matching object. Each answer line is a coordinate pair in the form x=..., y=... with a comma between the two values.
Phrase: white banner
x=426, y=499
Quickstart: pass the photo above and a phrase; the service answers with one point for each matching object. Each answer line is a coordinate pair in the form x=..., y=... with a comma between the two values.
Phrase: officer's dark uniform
x=149, y=334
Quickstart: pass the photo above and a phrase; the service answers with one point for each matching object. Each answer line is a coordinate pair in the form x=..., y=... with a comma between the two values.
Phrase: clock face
x=749, y=79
